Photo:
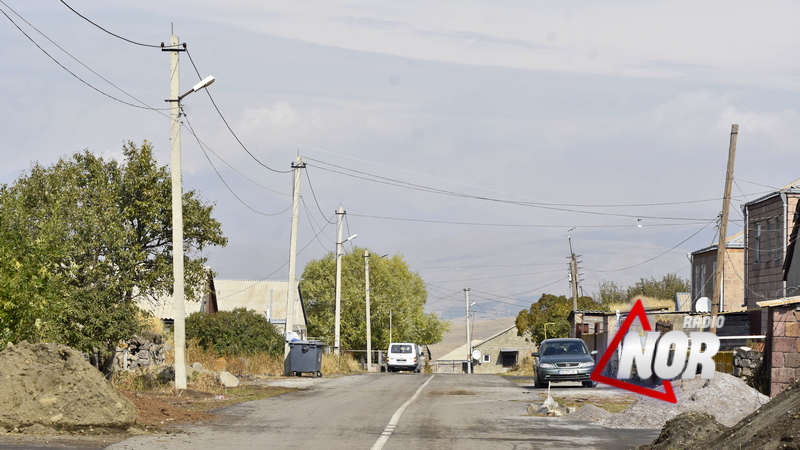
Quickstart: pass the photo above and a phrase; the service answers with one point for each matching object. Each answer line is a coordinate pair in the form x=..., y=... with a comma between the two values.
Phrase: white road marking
x=387, y=432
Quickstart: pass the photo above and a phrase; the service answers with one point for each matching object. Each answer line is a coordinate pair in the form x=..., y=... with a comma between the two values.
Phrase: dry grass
x=648, y=302
x=524, y=367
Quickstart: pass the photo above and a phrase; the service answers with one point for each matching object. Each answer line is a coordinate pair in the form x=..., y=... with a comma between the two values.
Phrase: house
x=265, y=297
x=503, y=351
x=499, y=353
x=704, y=269
x=770, y=221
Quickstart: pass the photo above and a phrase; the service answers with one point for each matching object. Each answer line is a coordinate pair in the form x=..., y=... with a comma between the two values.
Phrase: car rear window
x=401, y=349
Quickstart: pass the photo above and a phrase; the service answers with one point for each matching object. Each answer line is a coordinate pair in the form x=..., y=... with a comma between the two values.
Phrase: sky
x=476, y=139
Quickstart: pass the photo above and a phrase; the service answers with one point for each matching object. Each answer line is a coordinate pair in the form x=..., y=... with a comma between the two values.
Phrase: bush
x=234, y=333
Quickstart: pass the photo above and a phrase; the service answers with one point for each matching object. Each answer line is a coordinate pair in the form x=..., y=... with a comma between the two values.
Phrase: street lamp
x=545, y=328
x=339, y=254
x=177, y=208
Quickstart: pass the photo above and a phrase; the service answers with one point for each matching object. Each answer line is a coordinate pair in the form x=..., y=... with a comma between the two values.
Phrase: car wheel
x=540, y=384
x=589, y=384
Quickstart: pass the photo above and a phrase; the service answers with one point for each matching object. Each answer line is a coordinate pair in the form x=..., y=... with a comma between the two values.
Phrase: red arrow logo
x=637, y=311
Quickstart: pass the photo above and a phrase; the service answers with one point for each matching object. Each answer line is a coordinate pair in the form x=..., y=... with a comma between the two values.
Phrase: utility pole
x=369, y=326
x=574, y=282
x=179, y=310
x=469, y=336
x=723, y=229
x=298, y=165
x=337, y=322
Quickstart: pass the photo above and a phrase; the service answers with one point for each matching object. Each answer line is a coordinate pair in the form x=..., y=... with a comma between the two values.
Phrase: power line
x=203, y=149
x=224, y=120
x=445, y=222
x=76, y=59
x=112, y=34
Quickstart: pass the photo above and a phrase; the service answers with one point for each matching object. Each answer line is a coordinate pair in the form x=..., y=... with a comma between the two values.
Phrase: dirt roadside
x=157, y=413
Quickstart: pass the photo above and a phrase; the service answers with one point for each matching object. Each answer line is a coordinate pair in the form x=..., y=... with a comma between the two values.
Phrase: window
x=757, y=243
x=487, y=358
x=770, y=240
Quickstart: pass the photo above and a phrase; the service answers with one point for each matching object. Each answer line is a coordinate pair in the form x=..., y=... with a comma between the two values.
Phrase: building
x=770, y=221
x=265, y=297
x=704, y=269
x=499, y=353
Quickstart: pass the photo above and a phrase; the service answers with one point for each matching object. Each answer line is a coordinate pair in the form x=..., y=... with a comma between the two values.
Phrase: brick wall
x=785, y=348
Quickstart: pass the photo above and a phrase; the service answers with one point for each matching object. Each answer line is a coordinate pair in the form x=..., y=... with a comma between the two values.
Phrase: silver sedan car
x=565, y=359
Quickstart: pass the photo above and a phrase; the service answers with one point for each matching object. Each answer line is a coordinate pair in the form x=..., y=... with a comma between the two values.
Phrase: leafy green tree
x=553, y=311
x=81, y=238
x=610, y=293
x=234, y=333
x=665, y=288
x=394, y=290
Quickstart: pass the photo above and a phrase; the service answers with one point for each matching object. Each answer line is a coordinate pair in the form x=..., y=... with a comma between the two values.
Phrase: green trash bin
x=305, y=357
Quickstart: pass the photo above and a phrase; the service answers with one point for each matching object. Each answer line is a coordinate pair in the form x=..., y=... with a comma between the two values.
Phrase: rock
x=228, y=380
x=197, y=366
x=53, y=386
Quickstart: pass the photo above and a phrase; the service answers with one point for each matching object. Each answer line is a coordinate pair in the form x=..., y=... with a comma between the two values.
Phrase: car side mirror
x=593, y=352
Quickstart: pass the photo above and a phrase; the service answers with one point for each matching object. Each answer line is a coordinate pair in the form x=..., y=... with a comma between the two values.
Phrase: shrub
x=234, y=333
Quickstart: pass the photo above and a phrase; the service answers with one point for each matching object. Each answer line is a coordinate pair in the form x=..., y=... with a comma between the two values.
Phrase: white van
x=404, y=356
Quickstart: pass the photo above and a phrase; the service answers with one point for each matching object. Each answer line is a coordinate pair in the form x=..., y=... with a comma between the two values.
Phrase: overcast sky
x=473, y=138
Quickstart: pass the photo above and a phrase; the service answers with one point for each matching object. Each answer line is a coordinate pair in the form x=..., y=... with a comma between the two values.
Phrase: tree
x=79, y=240
x=553, y=311
x=666, y=288
x=393, y=288
x=610, y=293
x=234, y=333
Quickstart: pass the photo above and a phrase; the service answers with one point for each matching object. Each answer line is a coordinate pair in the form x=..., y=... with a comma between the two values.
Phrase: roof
x=734, y=241
x=267, y=297
x=779, y=302
x=459, y=354
x=793, y=187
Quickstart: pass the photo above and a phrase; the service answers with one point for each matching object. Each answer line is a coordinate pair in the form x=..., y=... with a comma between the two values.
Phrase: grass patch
x=613, y=406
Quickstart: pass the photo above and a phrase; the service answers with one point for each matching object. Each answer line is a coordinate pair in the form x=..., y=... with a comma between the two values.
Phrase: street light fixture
x=545, y=328
x=177, y=209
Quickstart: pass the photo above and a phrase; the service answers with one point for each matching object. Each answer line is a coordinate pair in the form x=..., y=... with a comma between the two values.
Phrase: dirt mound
x=727, y=398
x=52, y=387
x=686, y=429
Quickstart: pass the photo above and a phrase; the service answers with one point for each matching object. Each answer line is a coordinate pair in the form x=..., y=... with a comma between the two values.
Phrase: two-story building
x=769, y=223
x=704, y=269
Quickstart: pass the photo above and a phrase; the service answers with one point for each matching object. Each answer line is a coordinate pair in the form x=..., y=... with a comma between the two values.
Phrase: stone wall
x=140, y=352
x=746, y=362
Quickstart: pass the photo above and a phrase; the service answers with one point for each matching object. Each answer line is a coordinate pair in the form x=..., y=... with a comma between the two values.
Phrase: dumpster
x=305, y=357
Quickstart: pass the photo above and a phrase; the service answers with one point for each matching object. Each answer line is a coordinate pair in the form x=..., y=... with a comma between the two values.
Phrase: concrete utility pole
x=298, y=165
x=337, y=321
x=723, y=229
x=179, y=313
x=469, y=335
x=369, y=325
x=574, y=282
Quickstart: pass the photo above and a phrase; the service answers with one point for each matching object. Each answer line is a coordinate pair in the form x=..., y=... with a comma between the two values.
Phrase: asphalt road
x=396, y=411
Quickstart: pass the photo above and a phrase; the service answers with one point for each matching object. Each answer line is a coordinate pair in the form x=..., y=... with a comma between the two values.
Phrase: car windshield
x=401, y=349
x=563, y=348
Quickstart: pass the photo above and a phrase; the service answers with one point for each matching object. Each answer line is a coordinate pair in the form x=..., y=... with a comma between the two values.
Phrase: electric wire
x=112, y=34
x=225, y=121
x=658, y=256
x=445, y=222
x=314, y=194
x=219, y=175
x=74, y=75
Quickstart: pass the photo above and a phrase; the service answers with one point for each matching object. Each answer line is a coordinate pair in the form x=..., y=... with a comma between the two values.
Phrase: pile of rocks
x=725, y=397
x=140, y=352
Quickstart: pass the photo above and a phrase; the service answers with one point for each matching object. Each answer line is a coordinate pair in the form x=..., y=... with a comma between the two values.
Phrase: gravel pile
x=727, y=398
x=590, y=412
